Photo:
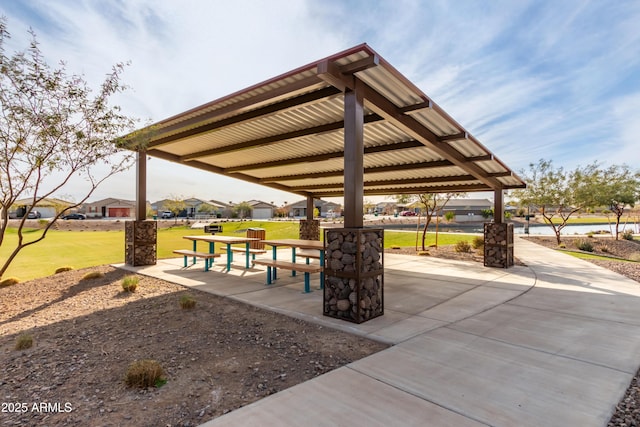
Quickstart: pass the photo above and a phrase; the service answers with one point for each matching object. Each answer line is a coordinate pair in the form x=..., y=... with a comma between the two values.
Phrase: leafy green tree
x=242, y=210
x=53, y=130
x=558, y=194
x=175, y=205
x=618, y=188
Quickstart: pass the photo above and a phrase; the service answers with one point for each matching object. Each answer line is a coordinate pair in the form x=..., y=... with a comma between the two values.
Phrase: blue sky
x=542, y=79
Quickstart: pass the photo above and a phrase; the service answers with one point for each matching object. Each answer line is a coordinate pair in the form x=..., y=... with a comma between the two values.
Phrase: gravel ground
x=217, y=357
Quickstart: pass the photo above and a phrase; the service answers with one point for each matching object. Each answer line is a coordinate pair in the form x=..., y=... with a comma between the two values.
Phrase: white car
x=166, y=214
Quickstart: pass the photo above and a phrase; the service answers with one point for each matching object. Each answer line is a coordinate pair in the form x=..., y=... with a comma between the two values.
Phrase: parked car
x=33, y=215
x=166, y=214
x=408, y=213
x=75, y=216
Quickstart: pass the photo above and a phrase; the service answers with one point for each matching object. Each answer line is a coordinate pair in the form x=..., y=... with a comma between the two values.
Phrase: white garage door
x=261, y=213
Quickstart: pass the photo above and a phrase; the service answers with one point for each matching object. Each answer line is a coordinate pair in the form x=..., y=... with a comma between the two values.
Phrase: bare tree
x=431, y=204
x=53, y=130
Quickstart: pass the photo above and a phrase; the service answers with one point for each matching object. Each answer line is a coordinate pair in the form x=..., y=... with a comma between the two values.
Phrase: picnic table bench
x=208, y=257
x=307, y=269
x=251, y=251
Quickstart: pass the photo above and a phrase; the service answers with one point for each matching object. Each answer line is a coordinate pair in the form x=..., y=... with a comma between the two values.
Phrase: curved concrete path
x=553, y=343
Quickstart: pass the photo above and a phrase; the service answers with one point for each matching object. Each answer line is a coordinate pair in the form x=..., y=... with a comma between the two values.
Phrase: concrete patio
x=553, y=343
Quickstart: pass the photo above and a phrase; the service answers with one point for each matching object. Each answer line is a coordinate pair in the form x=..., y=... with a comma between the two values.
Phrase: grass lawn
x=80, y=249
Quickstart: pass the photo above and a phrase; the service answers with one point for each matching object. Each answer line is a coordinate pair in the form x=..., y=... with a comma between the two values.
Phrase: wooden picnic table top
x=295, y=243
x=222, y=239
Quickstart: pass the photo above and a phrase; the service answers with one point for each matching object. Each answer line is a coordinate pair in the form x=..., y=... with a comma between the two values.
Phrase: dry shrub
x=462, y=246
x=93, y=275
x=23, y=342
x=130, y=283
x=477, y=242
x=63, y=269
x=584, y=245
x=424, y=253
x=9, y=281
x=145, y=373
x=635, y=256
x=187, y=302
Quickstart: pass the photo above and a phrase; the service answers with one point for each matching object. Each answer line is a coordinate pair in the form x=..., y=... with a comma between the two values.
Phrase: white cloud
x=529, y=79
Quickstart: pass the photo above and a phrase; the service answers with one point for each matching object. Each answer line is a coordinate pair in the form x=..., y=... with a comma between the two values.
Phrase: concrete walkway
x=553, y=343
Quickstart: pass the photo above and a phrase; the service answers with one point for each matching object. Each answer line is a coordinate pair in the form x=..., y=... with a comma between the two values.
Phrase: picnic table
x=228, y=240
x=294, y=244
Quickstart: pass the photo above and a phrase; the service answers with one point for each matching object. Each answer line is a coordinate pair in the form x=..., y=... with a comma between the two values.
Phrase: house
x=468, y=209
x=194, y=207
x=386, y=208
x=299, y=209
x=262, y=210
x=47, y=208
x=110, y=208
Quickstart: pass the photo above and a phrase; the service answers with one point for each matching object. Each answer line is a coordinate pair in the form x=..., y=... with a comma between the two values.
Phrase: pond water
x=540, y=229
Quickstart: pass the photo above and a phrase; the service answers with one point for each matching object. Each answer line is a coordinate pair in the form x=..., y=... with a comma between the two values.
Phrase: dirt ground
x=217, y=357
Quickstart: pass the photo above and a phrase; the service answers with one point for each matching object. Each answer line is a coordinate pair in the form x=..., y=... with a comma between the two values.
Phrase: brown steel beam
x=381, y=182
x=141, y=185
x=249, y=115
x=285, y=91
x=387, y=109
x=498, y=207
x=353, y=159
x=376, y=169
x=454, y=137
x=417, y=107
x=218, y=170
x=371, y=118
x=325, y=156
x=410, y=190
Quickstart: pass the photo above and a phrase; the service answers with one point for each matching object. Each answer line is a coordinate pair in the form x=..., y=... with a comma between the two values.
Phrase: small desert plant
x=187, y=302
x=462, y=246
x=424, y=253
x=590, y=234
x=395, y=247
x=477, y=242
x=63, y=269
x=562, y=246
x=635, y=256
x=130, y=283
x=92, y=275
x=145, y=373
x=604, y=248
x=627, y=235
x=584, y=245
x=24, y=341
x=9, y=281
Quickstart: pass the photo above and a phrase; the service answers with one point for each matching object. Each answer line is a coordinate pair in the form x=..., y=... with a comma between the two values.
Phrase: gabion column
x=140, y=242
x=309, y=229
x=354, y=274
x=498, y=245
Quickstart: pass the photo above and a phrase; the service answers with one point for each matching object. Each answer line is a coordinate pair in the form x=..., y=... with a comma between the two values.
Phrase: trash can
x=259, y=233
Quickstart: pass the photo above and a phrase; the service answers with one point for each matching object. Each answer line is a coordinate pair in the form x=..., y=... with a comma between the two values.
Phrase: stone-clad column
x=498, y=245
x=140, y=242
x=309, y=229
x=354, y=274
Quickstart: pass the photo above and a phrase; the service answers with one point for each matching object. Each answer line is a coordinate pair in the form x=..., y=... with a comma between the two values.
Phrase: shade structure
x=288, y=133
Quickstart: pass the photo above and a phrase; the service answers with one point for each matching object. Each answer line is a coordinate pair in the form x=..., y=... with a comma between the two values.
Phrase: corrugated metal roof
x=288, y=133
